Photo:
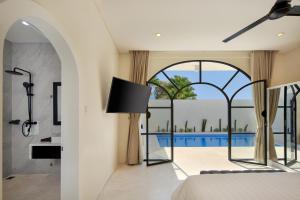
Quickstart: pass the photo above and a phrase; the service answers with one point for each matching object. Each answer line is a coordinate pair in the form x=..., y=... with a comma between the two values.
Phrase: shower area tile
x=43, y=62
x=7, y=111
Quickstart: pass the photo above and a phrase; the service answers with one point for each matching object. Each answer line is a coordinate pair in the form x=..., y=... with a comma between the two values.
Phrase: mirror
x=57, y=103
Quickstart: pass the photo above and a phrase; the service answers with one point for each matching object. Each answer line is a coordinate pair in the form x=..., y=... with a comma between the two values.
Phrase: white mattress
x=252, y=186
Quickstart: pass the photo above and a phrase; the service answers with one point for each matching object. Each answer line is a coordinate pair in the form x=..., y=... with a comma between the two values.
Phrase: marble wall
x=7, y=114
x=44, y=64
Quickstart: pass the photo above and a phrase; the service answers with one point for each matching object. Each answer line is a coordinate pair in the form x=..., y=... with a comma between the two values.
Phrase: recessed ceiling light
x=157, y=34
x=25, y=23
x=280, y=34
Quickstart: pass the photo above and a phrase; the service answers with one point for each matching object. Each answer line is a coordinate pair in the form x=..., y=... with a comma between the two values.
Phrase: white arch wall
x=89, y=134
x=69, y=159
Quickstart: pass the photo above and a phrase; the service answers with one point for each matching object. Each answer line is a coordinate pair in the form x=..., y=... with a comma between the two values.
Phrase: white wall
x=286, y=66
x=90, y=143
x=194, y=111
x=7, y=115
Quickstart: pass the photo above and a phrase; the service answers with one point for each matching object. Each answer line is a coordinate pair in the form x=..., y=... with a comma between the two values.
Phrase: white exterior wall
x=196, y=110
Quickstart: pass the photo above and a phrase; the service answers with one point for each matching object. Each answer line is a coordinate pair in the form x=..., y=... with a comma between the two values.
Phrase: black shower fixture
x=14, y=72
x=28, y=88
x=15, y=122
x=26, y=126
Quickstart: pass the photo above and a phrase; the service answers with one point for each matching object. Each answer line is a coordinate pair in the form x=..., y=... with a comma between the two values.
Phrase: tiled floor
x=134, y=182
x=32, y=187
x=158, y=182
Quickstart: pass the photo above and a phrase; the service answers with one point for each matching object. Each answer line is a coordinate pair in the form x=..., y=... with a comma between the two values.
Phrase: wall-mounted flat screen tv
x=127, y=97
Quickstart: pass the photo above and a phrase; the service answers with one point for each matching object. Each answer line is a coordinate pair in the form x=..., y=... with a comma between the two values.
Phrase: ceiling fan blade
x=247, y=28
x=295, y=11
x=279, y=1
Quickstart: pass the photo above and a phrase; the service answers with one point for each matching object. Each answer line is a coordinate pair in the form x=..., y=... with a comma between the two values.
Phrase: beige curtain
x=261, y=66
x=273, y=104
x=139, y=72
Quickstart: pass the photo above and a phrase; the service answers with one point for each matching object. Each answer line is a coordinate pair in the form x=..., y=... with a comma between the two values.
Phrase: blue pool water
x=207, y=140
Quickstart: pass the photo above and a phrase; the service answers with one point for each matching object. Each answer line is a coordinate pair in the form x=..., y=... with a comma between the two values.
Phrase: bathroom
x=31, y=115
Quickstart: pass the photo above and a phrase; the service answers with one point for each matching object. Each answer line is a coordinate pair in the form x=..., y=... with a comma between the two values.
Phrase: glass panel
x=243, y=133
x=143, y=138
x=239, y=81
x=206, y=113
x=296, y=166
x=200, y=91
x=281, y=97
x=184, y=74
x=159, y=121
x=243, y=120
x=244, y=125
x=143, y=130
x=159, y=148
x=278, y=130
x=216, y=73
x=158, y=93
x=158, y=97
x=290, y=119
x=159, y=139
x=244, y=97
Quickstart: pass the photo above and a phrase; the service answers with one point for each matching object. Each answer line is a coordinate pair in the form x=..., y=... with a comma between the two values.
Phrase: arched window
x=222, y=87
x=177, y=79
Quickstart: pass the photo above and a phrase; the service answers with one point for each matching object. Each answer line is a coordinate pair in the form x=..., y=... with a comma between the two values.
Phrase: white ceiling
x=19, y=33
x=196, y=25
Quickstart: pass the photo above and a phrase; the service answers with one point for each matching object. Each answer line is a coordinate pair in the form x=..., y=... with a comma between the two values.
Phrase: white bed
x=252, y=186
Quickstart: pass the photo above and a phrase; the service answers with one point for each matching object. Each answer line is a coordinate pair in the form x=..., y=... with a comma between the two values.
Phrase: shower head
x=13, y=72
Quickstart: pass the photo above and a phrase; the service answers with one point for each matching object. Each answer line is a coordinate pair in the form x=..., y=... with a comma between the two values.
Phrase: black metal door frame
x=293, y=122
x=230, y=133
x=150, y=161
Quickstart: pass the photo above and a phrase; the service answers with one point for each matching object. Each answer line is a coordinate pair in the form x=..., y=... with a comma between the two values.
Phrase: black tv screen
x=127, y=97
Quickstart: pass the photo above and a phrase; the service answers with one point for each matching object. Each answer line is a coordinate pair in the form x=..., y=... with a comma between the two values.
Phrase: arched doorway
x=165, y=127
x=39, y=18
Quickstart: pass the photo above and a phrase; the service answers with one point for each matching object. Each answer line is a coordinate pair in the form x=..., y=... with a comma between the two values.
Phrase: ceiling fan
x=280, y=9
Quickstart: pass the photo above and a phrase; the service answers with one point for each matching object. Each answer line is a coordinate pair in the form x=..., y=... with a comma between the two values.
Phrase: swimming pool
x=206, y=140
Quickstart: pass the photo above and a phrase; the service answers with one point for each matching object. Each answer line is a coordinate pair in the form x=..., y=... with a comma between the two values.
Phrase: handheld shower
x=28, y=86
